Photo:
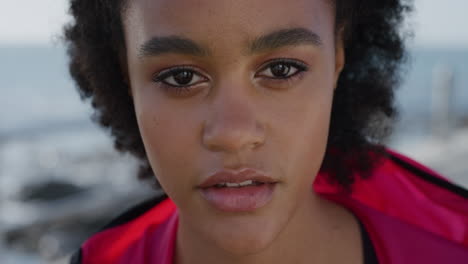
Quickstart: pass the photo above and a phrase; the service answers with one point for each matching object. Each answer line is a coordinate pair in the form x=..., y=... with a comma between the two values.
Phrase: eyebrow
x=285, y=37
x=274, y=40
x=171, y=44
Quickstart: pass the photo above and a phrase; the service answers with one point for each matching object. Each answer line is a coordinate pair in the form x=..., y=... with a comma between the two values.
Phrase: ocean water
x=38, y=95
x=42, y=112
x=37, y=92
x=46, y=132
x=43, y=115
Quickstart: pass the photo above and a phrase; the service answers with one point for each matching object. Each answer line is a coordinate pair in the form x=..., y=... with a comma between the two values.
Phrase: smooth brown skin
x=236, y=116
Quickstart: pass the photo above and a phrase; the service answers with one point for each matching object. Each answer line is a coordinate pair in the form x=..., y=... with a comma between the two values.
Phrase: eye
x=282, y=69
x=179, y=77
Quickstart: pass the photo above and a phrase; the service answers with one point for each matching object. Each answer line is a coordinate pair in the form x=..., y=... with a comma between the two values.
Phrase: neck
x=317, y=230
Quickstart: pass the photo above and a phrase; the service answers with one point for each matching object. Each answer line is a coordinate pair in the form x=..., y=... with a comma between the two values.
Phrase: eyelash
x=162, y=76
x=171, y=72
x=300, y=66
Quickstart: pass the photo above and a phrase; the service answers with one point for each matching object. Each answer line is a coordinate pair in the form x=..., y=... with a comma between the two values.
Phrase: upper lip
x=232, y=176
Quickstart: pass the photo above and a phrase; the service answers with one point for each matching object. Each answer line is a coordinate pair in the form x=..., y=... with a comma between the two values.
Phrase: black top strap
x=370, y=257
x=135, y=211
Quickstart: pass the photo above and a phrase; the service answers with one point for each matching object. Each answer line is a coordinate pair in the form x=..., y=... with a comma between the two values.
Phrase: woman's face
x=233, y=86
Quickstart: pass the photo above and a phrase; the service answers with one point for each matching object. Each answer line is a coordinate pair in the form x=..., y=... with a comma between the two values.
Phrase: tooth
x=245, y=183
x=228, y=184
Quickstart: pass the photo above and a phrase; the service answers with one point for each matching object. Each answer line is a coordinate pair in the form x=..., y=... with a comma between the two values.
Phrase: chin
x=239, y=246
x=245, y=237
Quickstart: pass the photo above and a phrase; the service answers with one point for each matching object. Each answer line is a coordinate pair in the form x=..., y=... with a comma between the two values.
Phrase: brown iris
x=183, y=77
x=280, y=70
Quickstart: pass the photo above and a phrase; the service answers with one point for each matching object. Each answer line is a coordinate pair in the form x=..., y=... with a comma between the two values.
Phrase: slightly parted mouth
x=240, y=178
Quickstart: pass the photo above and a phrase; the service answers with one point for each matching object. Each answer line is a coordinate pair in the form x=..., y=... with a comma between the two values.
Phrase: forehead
x=223, y=22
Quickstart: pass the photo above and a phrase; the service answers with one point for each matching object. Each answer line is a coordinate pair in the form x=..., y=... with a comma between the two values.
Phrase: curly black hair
x=363, y=107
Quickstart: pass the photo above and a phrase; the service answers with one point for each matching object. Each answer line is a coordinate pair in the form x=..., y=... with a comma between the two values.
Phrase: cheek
x=168, y=137
x=304, y=129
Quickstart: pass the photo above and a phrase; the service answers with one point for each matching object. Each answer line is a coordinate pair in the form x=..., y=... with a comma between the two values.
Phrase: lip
x=236, y=177
x=238, y=199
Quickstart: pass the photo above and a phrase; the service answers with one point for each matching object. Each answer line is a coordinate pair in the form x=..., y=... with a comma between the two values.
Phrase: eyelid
x=300, y=65
x=167, y=72
x=295, y=62
x=285, y=60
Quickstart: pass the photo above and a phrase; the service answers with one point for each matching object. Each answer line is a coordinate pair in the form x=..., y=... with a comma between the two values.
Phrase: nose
x=233, y=124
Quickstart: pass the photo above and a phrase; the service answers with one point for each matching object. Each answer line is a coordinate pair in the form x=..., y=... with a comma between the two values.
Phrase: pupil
x=183, y=77
x=280, y=70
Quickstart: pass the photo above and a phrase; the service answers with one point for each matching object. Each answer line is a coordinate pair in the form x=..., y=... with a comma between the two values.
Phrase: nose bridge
x=233, y=123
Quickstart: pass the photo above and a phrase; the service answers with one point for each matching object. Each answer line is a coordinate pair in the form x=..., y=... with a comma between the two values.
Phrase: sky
x=435, y=22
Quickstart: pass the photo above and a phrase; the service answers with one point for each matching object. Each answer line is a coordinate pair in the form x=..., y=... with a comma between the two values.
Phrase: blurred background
x=60, y=178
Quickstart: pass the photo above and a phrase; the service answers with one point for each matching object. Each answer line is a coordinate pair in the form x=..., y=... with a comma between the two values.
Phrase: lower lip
x=243, y=199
